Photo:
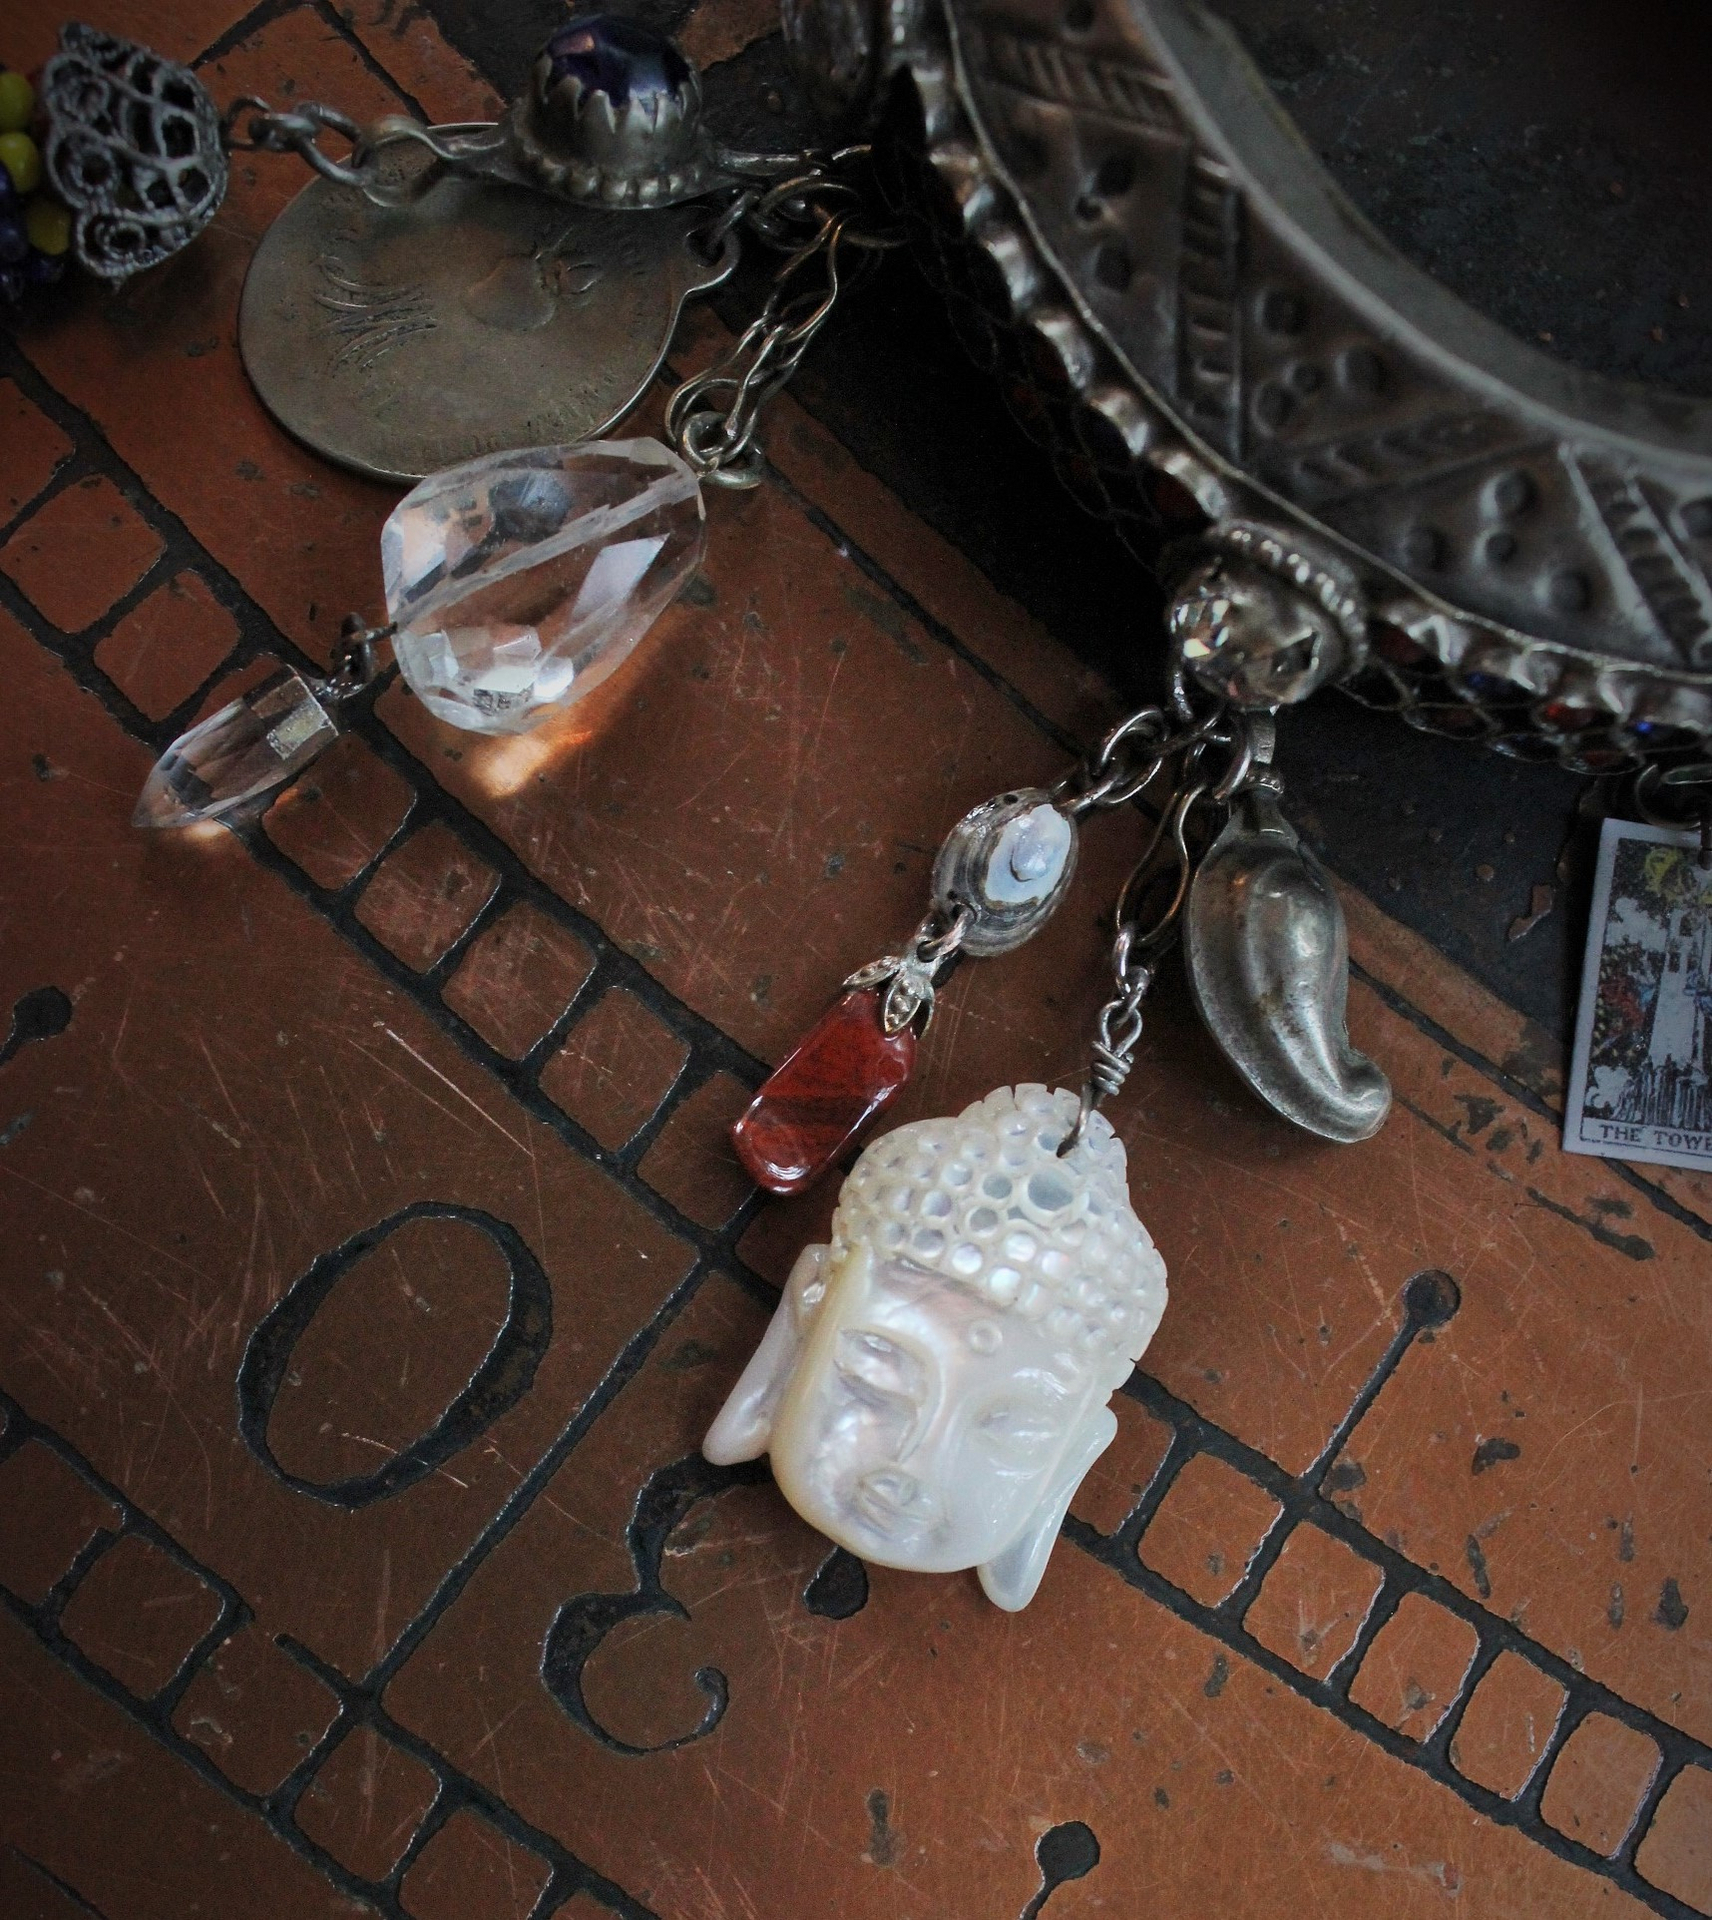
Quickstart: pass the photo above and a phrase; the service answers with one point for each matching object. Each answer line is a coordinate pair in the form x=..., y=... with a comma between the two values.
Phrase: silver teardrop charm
x=1268, y=964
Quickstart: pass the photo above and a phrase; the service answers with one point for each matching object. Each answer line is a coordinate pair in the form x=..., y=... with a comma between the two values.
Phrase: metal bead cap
x=133, y=149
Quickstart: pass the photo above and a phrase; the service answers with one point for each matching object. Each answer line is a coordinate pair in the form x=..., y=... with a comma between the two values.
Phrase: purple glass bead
x=620, y=58
x=14, y=241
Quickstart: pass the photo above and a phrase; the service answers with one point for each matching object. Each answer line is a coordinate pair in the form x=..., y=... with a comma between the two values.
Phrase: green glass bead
x=22, y=159
x=17, y=102
x=49, y=226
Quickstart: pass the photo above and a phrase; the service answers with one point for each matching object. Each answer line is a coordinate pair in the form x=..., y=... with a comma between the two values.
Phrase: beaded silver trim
x=1181, y=307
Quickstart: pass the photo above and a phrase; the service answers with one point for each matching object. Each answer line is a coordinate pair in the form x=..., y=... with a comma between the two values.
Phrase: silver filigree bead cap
x=612, y=116
x=1253, y=638
x=133, y=148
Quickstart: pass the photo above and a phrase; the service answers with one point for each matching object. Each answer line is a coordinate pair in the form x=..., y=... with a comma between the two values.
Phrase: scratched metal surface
x=1393, y=1589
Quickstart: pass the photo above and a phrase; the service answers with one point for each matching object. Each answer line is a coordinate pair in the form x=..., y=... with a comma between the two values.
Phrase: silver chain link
x=1151, y=901
x=300, y=131
x=815, y=218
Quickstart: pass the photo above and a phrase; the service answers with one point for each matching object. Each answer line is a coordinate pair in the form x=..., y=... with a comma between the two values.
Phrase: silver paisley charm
x=1268, y=964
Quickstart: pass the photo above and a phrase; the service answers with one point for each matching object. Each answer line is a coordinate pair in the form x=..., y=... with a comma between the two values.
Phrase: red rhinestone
x=843, y=1072
x=1174, y=503
x=1393, y=644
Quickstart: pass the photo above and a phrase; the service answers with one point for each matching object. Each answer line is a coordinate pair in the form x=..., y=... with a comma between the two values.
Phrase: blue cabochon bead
x=618, y=57
x=613, y=117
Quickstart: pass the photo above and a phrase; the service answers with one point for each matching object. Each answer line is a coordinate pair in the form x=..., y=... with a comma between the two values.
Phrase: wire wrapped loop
x=1213, y=754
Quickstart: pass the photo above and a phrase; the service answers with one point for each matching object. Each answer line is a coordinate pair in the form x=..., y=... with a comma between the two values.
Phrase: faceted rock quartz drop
x=520, y=580
x=845, y=1070
x=244, y=750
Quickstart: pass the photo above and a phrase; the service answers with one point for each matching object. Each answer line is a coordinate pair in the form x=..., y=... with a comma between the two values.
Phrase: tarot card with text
x=1641, y=1081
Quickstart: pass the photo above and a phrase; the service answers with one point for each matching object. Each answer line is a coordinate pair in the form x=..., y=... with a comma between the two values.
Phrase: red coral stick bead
x=843, y=1072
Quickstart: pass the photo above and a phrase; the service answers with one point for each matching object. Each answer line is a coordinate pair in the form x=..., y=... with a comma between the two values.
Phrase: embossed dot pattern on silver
x=1178, y=302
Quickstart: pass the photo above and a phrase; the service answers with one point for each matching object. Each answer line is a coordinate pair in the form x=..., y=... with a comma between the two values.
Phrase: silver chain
x=815, y=218
x=1150, y=903
x=300, y=131
x=1127, y=761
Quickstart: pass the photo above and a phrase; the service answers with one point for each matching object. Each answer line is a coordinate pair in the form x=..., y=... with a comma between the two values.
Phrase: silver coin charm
x=1005, y=867
x=400, y=339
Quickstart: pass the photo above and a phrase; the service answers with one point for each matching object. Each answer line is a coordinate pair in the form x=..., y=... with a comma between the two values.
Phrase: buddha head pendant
x=934, y=1384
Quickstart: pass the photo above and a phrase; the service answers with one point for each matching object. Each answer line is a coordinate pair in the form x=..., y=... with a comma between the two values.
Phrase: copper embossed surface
x=374, y=1257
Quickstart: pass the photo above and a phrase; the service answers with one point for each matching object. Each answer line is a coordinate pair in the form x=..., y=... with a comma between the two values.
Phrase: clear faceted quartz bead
x=245, y=750
x=520, y=580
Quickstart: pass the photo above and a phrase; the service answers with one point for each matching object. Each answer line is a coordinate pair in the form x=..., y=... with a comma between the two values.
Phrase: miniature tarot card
x=1640, y=1086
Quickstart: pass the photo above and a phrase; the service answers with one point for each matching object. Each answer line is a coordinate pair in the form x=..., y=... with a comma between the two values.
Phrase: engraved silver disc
x=399, y=340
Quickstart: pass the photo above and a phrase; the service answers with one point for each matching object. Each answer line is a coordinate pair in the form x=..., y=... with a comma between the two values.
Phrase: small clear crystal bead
x=520, y=580
x=249, y=747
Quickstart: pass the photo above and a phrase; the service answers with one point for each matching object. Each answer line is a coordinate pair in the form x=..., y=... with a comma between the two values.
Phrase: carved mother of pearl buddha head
x=934, y=1383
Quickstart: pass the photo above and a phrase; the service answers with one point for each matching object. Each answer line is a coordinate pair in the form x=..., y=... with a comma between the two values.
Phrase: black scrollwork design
x=666, y=1499
x=502, y=1379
